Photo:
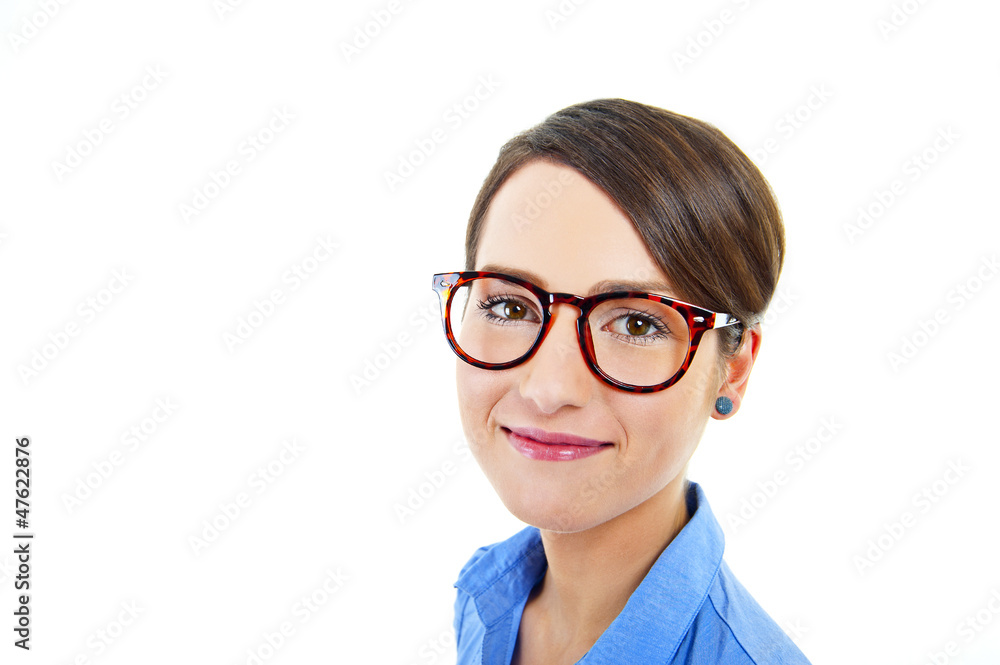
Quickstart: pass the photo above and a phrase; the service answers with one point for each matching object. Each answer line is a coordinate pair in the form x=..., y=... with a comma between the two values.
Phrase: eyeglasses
x=637, y=342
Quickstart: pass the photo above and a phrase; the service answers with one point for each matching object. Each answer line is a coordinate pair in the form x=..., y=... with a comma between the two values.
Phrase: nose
x=557, y=375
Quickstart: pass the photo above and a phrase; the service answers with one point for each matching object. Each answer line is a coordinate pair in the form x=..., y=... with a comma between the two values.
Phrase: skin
x=606, y=518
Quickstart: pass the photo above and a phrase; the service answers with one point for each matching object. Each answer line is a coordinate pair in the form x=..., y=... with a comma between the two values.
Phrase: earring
x=724, y=405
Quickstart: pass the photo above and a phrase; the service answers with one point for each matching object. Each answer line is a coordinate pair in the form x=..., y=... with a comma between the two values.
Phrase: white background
x=846, y=302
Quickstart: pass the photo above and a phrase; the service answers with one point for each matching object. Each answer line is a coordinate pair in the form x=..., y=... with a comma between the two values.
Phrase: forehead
x=550, y=221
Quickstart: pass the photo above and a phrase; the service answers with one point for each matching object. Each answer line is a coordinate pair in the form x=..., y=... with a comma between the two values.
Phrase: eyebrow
x=659, y=288
x=604, y=286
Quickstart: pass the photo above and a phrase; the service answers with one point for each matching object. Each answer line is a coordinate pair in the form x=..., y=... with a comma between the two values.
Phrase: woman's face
x=559, y=230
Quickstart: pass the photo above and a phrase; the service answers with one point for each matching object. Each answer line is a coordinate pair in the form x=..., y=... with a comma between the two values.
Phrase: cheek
x=478, y=392
x=663, y=430
x=676, y=413
x=658, y=437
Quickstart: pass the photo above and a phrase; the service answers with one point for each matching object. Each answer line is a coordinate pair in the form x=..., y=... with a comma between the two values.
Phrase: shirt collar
x=657, y=615
x=504, y=575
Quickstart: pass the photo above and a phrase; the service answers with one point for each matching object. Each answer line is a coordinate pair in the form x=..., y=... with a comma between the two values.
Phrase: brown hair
x=704, y=211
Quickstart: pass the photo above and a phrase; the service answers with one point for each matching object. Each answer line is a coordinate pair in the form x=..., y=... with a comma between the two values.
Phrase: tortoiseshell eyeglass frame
x=699, y=321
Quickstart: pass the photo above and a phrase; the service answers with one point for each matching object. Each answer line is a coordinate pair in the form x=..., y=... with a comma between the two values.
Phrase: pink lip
x=538, y=444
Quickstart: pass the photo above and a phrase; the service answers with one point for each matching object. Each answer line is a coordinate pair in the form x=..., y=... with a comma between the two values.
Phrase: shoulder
x=462, y=605
x=739, y=628
x=476, y=556
x=497, y=559
x=492, y=581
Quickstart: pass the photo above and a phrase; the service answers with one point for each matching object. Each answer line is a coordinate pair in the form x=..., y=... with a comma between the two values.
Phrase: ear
x=738, y=371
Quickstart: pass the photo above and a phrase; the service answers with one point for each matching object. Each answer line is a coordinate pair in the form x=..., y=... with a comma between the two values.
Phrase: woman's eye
x=633, y=325
x=510, y=309
x=500, y=309
x=636, y=325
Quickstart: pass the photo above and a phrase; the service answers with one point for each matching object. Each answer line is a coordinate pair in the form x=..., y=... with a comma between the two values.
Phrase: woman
x=582, y=395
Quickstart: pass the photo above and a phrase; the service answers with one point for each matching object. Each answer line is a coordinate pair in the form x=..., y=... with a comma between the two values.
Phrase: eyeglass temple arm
x=724, y=320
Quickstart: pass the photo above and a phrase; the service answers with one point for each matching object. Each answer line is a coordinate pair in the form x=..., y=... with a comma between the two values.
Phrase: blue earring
x=724, y=405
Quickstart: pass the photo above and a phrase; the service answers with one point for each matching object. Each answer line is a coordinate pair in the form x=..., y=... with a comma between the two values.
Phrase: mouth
x=538, y=444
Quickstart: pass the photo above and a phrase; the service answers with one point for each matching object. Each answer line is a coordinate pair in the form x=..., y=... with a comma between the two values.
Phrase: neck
x=591, y=574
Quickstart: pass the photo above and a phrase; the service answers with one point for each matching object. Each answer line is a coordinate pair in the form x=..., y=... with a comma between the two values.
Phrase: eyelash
x=486, y=305
x=662, y=330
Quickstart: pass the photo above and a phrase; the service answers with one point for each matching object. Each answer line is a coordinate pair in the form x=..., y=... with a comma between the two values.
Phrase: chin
x=555, y=511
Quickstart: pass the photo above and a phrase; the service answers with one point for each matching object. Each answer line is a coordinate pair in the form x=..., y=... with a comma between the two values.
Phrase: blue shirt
x=688, y=609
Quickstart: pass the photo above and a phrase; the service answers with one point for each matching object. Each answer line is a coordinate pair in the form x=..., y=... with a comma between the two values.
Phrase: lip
x=538, y=444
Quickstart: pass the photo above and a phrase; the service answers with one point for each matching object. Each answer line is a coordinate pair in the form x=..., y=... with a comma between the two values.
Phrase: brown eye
x=637, y=326
x=514, y=310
